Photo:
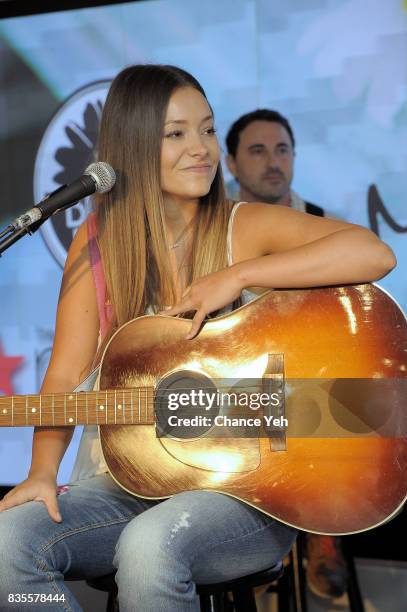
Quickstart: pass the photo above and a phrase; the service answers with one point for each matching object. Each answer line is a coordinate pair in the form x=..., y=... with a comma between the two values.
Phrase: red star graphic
x=7, y=367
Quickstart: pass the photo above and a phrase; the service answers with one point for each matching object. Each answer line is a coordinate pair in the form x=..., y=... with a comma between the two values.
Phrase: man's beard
x=269, y=194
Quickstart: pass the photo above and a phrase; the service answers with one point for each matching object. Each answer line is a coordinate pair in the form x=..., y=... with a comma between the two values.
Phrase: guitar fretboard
x=111, y=407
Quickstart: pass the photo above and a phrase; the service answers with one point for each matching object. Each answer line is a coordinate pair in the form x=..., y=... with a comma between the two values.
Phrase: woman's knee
x=141, y=545
x=23, y=530
x=14, y=531
x=152, y=567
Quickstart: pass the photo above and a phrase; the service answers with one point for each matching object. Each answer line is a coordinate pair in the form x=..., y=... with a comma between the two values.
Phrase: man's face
x=264, y=163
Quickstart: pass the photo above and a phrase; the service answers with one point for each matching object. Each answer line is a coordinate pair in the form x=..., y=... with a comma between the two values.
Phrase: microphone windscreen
x=103, y=175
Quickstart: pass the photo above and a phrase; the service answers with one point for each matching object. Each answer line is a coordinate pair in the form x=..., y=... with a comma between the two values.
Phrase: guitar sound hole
x=181, y=406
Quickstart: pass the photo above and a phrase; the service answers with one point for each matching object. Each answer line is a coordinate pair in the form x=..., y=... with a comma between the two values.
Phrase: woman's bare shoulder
x=253, y=221
x=261, y=228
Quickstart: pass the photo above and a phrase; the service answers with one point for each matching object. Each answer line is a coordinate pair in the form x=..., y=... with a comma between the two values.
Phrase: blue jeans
x=160, y=549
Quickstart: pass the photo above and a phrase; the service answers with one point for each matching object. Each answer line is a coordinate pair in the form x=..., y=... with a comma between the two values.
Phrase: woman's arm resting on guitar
x=290, y=249
x=277, y=247
x=75, y=343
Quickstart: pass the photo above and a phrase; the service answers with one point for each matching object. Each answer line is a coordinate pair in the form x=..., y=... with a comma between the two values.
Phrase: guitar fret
x=20, y=411
x=132, y=406
x=53, y=409
x=68, y=407
x=106, y=405
x=43, y=409
x=139, y=407
x=119, y=406
x=100, y=407
x=124, y=408
x=14, y=411
x=91, y=407
x=47, y=409
x=33, y=410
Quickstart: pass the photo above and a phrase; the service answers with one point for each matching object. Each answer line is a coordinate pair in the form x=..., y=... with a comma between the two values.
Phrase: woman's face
x=190, y=151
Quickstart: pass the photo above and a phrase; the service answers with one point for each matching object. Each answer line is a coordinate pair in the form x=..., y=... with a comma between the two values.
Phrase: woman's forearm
x=348, y=256
x=50, y=443
x=48, y=448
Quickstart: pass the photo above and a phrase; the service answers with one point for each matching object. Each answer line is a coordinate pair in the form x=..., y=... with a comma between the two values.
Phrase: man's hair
x=262, y=114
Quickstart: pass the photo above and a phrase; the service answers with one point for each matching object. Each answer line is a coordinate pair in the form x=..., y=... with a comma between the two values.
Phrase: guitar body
x=349, y=481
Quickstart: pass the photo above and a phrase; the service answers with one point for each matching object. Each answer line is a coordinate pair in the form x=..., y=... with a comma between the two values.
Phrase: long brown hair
x=131, y=220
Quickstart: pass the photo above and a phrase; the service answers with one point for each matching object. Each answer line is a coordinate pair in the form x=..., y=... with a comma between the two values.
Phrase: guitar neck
x=112, y=407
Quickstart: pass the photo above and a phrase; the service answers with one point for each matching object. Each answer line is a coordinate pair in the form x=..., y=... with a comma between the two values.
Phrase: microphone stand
x=11, y=234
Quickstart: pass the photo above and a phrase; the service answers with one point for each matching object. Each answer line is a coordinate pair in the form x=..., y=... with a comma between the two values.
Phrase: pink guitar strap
x=104, y=306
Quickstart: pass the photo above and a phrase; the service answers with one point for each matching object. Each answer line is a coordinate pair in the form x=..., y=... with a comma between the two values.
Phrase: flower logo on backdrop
x=66, y=149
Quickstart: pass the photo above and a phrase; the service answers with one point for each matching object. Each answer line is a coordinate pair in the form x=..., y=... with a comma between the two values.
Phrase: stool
x=286, y=583
x=213, y=597
x=108, y=585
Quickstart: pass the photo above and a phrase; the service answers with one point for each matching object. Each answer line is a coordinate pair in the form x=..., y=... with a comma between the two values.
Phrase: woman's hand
x=39, y=487
x=207, y=294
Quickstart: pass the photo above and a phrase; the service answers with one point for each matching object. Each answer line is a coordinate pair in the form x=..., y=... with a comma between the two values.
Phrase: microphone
x=99, y=177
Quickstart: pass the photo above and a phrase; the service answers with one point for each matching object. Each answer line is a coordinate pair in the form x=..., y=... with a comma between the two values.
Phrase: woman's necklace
x=181, y=238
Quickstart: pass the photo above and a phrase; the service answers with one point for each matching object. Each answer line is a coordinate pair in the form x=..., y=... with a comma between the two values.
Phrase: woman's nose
x=197, y=146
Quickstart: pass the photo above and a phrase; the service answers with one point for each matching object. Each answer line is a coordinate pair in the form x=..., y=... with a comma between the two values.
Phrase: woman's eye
x=174, y=134
x=211, y=130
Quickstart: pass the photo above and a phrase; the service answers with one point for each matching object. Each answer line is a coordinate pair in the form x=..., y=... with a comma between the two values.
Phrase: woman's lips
x=200, y=169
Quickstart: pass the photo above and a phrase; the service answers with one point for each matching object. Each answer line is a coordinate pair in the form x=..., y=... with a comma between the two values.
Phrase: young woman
x=164, y=239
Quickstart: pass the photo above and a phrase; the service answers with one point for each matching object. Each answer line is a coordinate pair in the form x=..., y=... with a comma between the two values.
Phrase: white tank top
x=89, y=459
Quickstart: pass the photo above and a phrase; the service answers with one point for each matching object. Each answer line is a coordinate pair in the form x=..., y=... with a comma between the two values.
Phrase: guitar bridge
x=274, y=382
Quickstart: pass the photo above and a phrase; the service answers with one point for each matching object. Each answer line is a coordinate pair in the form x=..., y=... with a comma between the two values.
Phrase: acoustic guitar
x=336, y=357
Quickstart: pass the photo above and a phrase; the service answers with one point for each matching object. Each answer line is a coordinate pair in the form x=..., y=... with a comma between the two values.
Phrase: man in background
x=261, y=151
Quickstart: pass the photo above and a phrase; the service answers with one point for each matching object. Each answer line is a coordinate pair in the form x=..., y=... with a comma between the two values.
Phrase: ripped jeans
x=160, y=549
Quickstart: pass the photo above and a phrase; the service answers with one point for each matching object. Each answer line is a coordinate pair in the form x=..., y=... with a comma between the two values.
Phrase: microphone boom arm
x=12, y=233
x=99, y=177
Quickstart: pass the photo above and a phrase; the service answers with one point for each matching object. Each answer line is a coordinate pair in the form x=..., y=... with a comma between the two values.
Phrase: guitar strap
x=105, y=308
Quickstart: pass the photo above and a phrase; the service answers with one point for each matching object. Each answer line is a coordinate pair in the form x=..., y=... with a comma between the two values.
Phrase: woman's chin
x=194, y=194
